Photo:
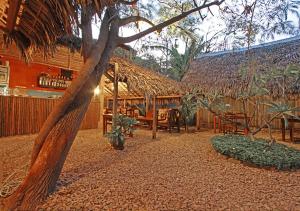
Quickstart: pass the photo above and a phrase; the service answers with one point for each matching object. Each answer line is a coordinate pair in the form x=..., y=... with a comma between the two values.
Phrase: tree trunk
x=90, y=62
x=55, y=139
x=46, y=169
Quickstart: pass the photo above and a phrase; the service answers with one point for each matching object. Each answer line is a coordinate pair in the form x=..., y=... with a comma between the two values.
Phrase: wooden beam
x=158, y=97
x=109, y=90
x=147, y=104
x=169, y=96
x=128, y=98
x=107, y=75
x=12, y=14
x=154, y=126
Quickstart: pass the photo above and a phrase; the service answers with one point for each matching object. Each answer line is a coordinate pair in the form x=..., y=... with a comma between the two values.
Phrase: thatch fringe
x=40, y=23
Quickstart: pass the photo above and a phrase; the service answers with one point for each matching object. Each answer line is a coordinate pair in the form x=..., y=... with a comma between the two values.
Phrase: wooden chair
x=172, y=120
x=234, y=123
x=148, y=119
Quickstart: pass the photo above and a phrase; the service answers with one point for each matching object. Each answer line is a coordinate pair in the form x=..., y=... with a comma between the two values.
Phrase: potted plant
x=123, y=125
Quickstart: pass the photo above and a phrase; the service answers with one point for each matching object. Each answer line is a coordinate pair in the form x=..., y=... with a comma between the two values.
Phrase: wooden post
x=147, y=104
x=215, y=123
x=115, y=96
x=283, y=129
x=154, y=123
x=101, y=99
x=198, y=119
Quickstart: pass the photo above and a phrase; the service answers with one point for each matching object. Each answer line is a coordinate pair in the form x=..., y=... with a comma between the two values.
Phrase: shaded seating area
x=150, y=98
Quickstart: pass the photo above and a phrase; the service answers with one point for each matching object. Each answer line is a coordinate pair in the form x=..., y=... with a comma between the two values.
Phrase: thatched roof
x=220, y=71
x=38, y=23
x=141, y=81
x=135, y=80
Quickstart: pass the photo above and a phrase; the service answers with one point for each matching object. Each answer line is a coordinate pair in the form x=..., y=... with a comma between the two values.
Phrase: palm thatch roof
x=141, y=81
x=220, y=71
x=38, y=23
x=134, y=80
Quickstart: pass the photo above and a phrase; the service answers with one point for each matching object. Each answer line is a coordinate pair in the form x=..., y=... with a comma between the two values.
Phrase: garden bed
x=258, y=152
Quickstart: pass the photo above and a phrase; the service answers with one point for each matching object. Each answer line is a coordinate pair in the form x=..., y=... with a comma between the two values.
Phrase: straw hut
x=220, y=71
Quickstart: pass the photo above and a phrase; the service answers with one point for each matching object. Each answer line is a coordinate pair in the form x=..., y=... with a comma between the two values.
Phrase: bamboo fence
x=23, y=115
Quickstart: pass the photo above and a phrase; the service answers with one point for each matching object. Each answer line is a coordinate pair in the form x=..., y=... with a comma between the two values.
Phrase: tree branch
x=131, y=19
x=168, y=22
x=129, y=2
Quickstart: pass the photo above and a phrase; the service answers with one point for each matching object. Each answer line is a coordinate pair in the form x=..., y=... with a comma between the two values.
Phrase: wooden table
x=148, y=120
x=291, y=122
x=233, y=118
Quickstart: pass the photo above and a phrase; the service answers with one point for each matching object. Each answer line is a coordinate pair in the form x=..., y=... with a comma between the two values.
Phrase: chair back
x=149, y=114
x=173, y=116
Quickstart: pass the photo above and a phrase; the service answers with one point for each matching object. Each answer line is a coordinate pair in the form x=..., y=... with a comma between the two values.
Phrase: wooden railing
x=24, y=115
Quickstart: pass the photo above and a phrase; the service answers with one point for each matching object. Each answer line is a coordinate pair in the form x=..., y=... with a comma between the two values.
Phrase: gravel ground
x=173, y=172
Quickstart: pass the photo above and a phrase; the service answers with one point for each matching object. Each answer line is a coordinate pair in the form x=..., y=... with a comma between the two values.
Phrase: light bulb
x=97, y=90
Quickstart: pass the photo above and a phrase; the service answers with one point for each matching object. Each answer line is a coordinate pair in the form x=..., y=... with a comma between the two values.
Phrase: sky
x=209, y=26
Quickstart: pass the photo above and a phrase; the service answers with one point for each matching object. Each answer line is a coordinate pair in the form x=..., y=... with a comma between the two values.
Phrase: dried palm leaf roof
x=38, y=23
x=143, y=81
x=136, y=80
x=220, y=71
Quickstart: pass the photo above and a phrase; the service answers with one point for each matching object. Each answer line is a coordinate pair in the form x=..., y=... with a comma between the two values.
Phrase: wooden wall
x=206, y=117
x=23, y=115
x=23, y=75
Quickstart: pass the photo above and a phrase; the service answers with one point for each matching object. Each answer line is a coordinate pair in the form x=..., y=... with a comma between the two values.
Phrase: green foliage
x=142, y=109
x=148, y=61
x=213, y=102
x=188, y=107
x=281, y=80
x=180, y=63
x=183, y=28
x=123, y=125
x=258, y=152
x=257, y=20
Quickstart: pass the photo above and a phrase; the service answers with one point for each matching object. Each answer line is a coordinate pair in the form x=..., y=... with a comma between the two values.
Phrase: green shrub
x=257, y=152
